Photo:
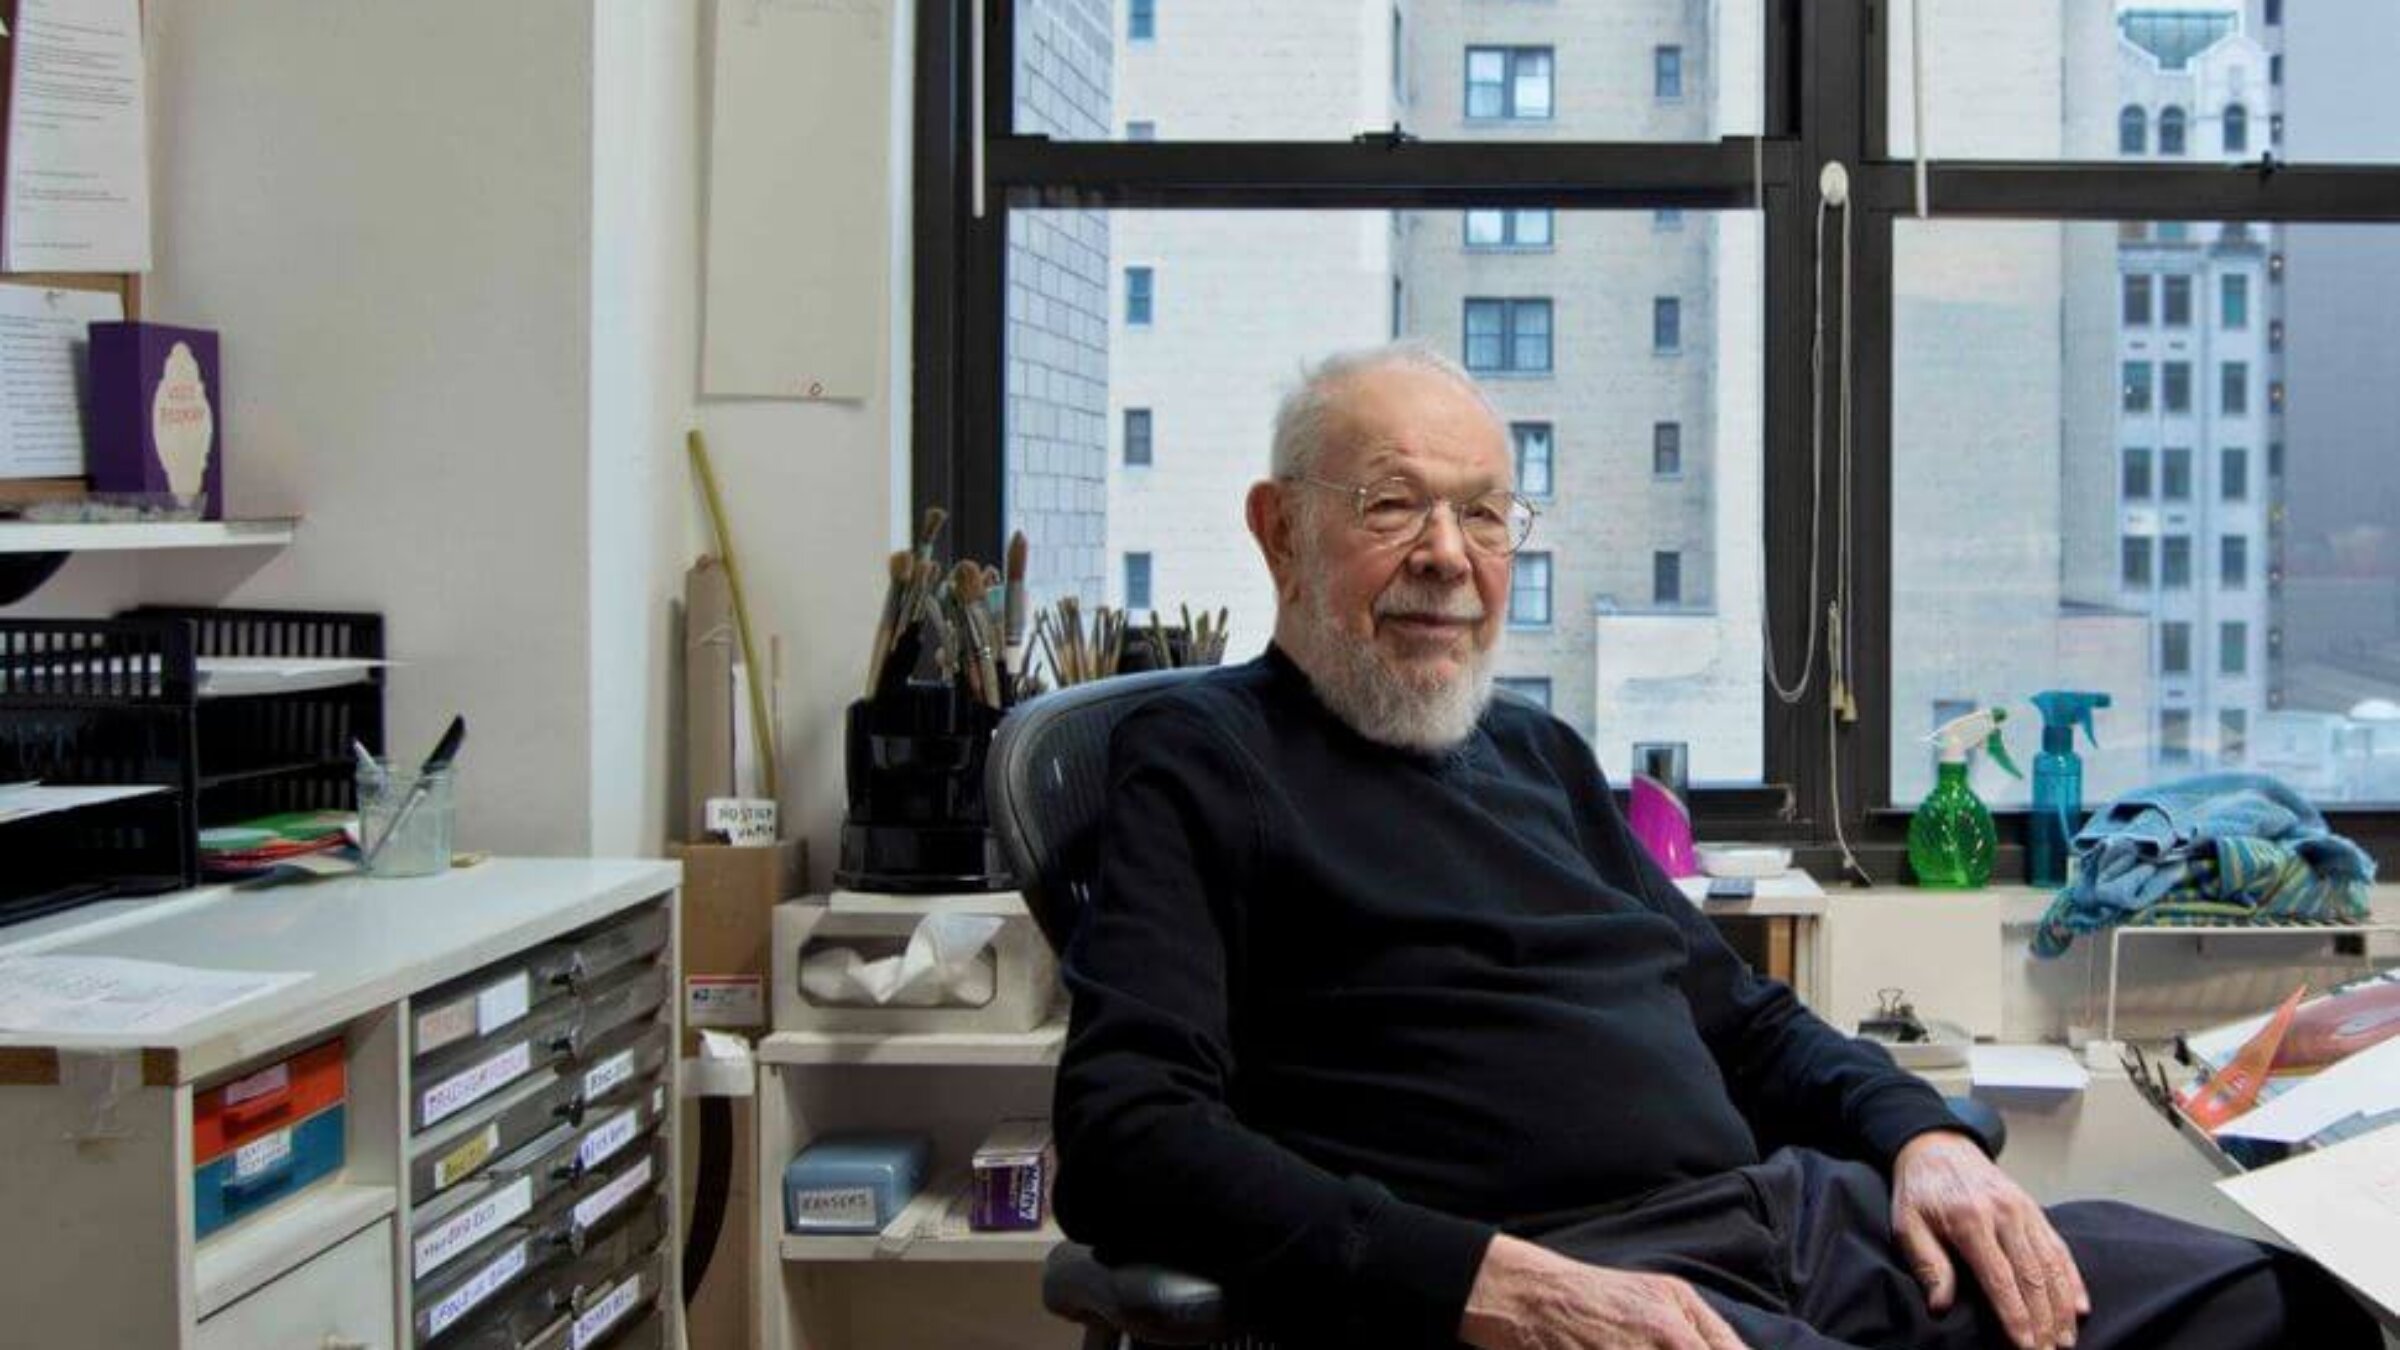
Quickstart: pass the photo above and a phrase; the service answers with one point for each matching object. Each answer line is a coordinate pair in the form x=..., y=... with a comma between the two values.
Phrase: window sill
x=1535, y=249
x=1512, y=374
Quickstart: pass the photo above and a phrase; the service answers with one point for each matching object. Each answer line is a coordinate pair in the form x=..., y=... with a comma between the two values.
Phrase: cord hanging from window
x=1833, y=191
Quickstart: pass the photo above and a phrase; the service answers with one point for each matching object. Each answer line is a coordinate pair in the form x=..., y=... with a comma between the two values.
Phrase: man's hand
x=1530, y=1298
x=1947, y=1195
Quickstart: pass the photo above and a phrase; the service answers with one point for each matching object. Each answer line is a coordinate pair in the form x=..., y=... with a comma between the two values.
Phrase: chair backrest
x=1046, y=786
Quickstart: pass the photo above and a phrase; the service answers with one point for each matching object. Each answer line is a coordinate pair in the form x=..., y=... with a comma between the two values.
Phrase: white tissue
x=937, y=970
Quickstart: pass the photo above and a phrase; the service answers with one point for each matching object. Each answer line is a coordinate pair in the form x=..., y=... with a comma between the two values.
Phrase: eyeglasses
x=1395, y=511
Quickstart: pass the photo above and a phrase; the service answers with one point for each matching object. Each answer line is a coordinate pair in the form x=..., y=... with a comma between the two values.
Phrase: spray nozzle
x=1982, y=727
x=2063, y=710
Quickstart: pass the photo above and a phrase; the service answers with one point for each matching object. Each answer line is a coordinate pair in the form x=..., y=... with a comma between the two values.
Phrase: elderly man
x=1383, y=1020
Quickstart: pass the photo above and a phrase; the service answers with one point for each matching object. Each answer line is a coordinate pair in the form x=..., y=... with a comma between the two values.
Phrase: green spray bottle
x=2058, y=782
x=1951, y=841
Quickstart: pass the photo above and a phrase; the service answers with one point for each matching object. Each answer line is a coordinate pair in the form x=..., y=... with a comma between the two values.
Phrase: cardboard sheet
x=2340, y=1206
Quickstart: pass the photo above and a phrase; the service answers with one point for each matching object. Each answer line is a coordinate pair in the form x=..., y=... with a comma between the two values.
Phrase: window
x=1533, y=444
x=2137, y=473
x=1141, y=20
x=2170, y=130
x=1137, y=581
x=2137, y=386
x=2176, y=302
x=1666, y=218
x=1667, y=73
x=1509, y=83
x=1535, y=688
x=1666, y=577
x=2133, y=131
x=2175, y=562
x=2175, y=648
x=1141, y=131
x=2275, y=68
x=1399, y=308
x=2175, y=386
x=1138, y=286
x=1666, y=324
x=2237, y=128
x=2233, y=302
x=2175, y=736
x=2137, y=299
x=2233, y=562
x=1666, y=450
x=2233, y=735
x=2134, y=569
x=2233, y=647
x=1508, y=228
x=2274, y=12
x=1399, y=57
x=1137, y=438
x=2233, y=474
x=2233, y=388
x=2175, y=474
x=1508, y=336
x=1529, y=591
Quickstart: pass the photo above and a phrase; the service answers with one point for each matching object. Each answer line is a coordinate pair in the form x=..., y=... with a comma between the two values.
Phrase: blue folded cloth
x=2217, y=845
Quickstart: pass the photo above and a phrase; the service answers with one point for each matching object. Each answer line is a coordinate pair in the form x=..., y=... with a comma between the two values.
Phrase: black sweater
x=1341, y=1010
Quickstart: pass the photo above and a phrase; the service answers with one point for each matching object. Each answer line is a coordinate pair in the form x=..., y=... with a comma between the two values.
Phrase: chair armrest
x=1982, y=1121
x=1148, y=1303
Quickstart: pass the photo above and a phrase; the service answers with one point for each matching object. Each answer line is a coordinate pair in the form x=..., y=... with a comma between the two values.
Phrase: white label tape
x=849, y=1207
x=503, y=1003
x=748, y=821
x=607, y=1074
x=460, y=1161
x=461, y=1090
x=610, y=1310
x=260, y=1155
x=488, y=1281
x=473, y=1224
x=608, y=1199
x=608, y=1138
x=272, y=1079
x=451, y=1022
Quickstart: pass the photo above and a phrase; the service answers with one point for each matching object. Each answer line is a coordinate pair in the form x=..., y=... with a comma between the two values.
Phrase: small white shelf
x=931, y=1227
x=229, y=1264
x=956, y=1049
x=32, y=537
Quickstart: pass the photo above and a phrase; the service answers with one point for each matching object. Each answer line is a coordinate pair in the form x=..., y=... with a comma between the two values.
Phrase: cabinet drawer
x=266, y=1170
x=340, y=1298
x=232, y=1114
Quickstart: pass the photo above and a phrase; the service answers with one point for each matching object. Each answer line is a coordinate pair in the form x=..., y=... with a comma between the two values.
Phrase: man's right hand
x=1530, y=1298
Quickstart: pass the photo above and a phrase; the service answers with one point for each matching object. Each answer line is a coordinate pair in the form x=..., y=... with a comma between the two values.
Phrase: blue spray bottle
x=2058, y=782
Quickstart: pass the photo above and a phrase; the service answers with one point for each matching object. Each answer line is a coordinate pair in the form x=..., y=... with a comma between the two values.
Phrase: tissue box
x=1012, y=985
x=1011, y=1186
x=158, y=414
x=853, y=1183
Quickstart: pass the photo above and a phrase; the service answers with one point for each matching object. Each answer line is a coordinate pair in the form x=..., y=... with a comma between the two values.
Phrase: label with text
x=747, y=821
x=272, y=1079
x=451, y=1022
x=599, y=1319
x=724, y=1001
x=462, y=1090
x=500, y=1004
x=486, y=1282
x=436, y=1245
x=608, y=1138
x=606, y=1075
x=601, y=1203
x=460, y=1161
x=262, y=1155
x=846, y=1207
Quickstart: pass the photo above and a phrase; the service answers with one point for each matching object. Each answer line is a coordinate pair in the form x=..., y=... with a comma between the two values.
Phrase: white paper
x=1791, y=885
x=45, y=345
x=2365, y=1084
x=234, y=676
x=78, y=189
x=113, y=996
x=2027, y=1068
x=937, y=968
x=2340, y=1206
x=26, y=803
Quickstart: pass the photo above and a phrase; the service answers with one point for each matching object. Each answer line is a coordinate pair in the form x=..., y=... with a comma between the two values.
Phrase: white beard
x=1377, y=701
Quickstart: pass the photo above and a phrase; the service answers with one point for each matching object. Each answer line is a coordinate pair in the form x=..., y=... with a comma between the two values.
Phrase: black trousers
x=1797, y=1252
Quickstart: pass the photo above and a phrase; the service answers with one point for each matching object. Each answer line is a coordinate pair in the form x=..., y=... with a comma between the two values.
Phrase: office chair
x=1046, y=787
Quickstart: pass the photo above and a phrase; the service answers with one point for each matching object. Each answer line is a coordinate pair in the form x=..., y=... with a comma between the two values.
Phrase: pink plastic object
x=1664, y=825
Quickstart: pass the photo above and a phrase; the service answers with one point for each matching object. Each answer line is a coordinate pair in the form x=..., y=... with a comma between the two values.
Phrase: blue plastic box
x=265, y=1170
x=853, y=1183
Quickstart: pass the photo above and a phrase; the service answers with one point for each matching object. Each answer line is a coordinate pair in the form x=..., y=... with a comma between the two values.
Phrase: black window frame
x=1513, y=309
x=1149, y=575
x=1666, y=564
x=1666, y=325
x=1666, y=445
x=1147, y=441
x=1666, y=68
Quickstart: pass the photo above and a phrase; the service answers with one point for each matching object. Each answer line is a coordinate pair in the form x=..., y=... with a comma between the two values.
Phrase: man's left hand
x=1948, y=1197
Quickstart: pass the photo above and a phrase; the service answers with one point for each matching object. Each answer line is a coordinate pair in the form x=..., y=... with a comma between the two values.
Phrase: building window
x=1666, y=577
x=1666, y=449
x=2233, y=562
x=2176, y=302
x=1529, y=591
x=2137, y=300
x=2274, y=335
x=1533, y=443
x=1666, y=324
x=2175, y=474
x=1667, y=218
x=2175, y=736
x=1508, y=336
x=1141, y=131
x=2133, y=131
x=2233, y=735
x=1137, y=581
x=2274, y=12
x=1399, y=306
x=2175, y=648
x=2233, y=388
x=1141, y=20
x=2233, y=474
x=1137, y=438
x=1535, y=688
x=2137, y=473
x=2233, y=301
x=2175, y=562
x=2170, y=130
x=2136, y=565
x=2137, y=386
x=1667, y=73
x=1529, y=228
x=1509, y=83
x=2237, y=128
x=2275, y=396
x=2175, y=386
x=2275, y=68
x=2233, y=647
x=1399, y=58
x=1138, y=286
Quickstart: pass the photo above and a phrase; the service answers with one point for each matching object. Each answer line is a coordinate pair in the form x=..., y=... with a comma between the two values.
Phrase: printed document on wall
x=45, y=346
x=78, y=183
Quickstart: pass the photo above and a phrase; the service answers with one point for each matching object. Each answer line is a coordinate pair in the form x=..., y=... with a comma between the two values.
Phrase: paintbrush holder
x=916, y=824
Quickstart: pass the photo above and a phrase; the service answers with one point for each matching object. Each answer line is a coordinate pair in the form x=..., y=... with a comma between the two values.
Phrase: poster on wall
x=77, y=193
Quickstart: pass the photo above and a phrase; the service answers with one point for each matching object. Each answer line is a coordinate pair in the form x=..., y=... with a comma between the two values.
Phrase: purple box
x=158, y=414
x=1013, y=1169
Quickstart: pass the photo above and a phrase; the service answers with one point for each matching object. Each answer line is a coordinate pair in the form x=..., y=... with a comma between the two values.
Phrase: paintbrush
x=903, y=570
x=982, y=661
x=1012, y=627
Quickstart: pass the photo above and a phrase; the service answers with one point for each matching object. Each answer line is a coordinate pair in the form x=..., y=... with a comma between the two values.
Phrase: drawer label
x=724, y=1001
x=838, y=1207
x=274, y=1078
x=610, y=1198
x=453, y=1021
x=468, y=1156
x=461, y=1090
x=608, y=1138
x=604, y=1315
x=503, y=1003
x=607, y=1074
x=262, y=1155
x=486, y=1282
x=473, y=1224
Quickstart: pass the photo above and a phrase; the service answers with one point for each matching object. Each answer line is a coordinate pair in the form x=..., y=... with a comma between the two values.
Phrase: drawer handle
x=260, y=1107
